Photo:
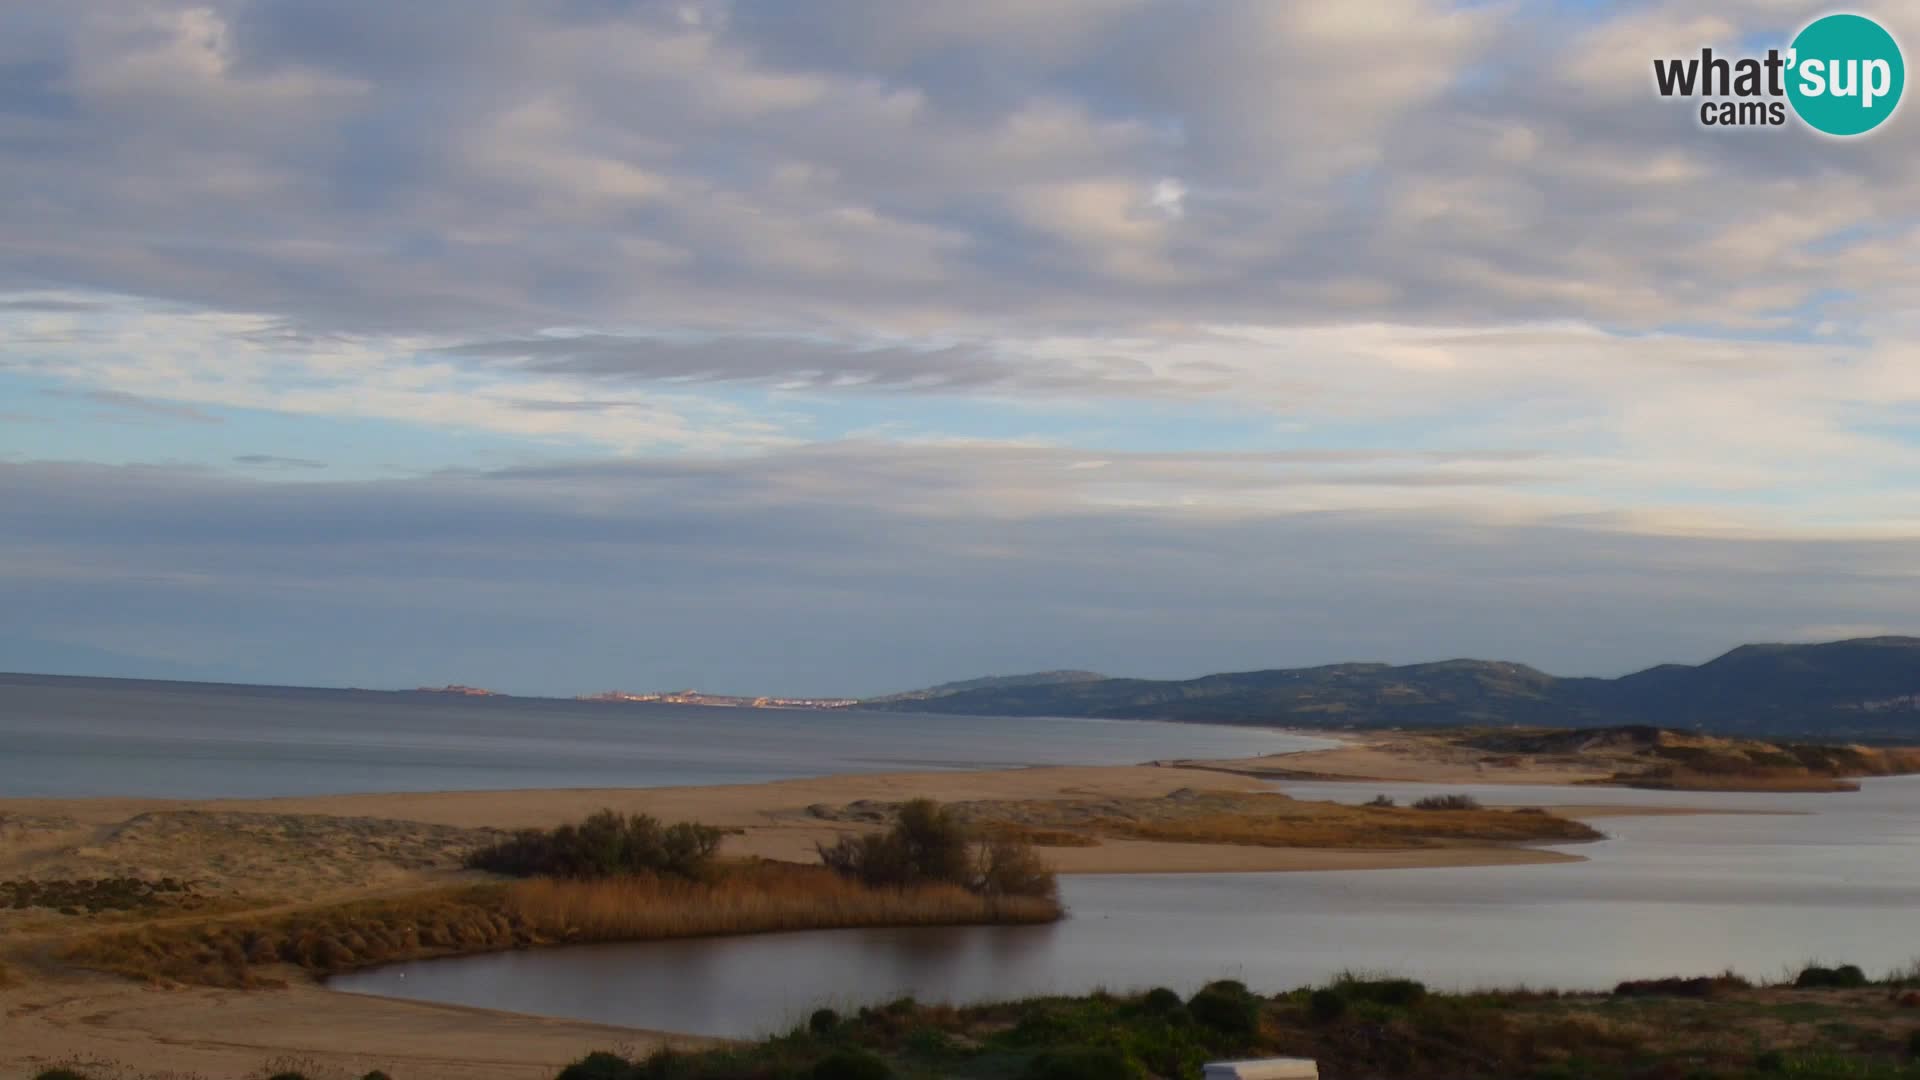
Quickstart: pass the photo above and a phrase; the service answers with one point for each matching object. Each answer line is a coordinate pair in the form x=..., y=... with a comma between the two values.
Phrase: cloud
x=1065, y=290
x=548, y=579
x=1414, y=162
x=275, y=461
x=148, y=407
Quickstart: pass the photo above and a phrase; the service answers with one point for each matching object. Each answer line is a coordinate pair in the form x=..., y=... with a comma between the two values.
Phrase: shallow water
x=185, y=740
x=1833, y=878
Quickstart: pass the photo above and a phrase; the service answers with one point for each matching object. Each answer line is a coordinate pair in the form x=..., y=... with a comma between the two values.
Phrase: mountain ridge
x=1855, y=688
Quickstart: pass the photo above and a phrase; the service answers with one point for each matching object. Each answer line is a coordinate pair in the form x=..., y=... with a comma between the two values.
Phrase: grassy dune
x=742, y=899
x=1648, y=757
x=1261, y=819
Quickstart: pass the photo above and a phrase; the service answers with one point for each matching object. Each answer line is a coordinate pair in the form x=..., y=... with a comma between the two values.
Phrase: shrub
x=1226, y=1008
x=1010, y=868
x=1447, y=802
x=823, y=1021
x=600, y=1065
x=1381, y=800
x=1770, y=1061
x=1397, y=993
x=1081, y=1063
x=376, y=1075
x=928, y=845
x=1844, y=977
x=60, y=1074
x=1160, y=1000
x=608, y=844
x=1326, y=1005
x=1701, y=986
x=851, y=1065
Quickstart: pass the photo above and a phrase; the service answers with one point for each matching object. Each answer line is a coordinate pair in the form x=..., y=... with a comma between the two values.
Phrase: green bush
x=1394, y=993
x=1081, y=1063
x=822, y=1021
x=1913, y=1045
x=1161, y=1000
x=1012, y=868
x=608, y=844
x=1226, y=1008
x=1447, y=802
x=926, y=845
x=1844, y=977
x=851, y=1065
x=1326, y=1005
x=600, y=1065
x=929, y=845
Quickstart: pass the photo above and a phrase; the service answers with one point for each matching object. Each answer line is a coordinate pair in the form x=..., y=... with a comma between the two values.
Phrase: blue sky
x=856, y=346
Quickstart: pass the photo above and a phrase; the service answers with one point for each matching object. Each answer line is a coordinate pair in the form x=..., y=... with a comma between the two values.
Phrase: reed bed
x=1757, y=779
x=740, y=899
x=755, y=899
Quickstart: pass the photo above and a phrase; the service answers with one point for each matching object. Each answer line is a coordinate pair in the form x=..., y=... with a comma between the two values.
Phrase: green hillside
x=1867, y=688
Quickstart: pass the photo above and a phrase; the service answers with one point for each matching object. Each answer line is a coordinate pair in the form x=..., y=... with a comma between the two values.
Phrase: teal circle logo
x=1846, y=75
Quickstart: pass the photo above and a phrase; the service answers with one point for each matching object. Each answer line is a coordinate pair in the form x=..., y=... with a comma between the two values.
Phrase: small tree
x=607, y=844
x=928, y=845
x=1012, y=868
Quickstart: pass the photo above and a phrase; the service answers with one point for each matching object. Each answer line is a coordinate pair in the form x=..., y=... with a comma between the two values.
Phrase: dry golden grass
x=742, y=899
x=1757, y=779
x=1265, y=819
x=1330, y=826
x=763, y=897
x=1025, y=834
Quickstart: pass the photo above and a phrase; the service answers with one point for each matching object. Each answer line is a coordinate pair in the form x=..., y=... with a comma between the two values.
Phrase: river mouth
x=1832, y=879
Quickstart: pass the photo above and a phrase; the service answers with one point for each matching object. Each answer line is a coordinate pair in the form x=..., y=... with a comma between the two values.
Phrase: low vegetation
x=608, y=844
x=756, y=898
x=95, y=894
x=1447, y=802
x=730, y=898
x=1711, y=1028
x=1262, y=819
x=1819, y=1025
x=1650, y=757
x=930, y=846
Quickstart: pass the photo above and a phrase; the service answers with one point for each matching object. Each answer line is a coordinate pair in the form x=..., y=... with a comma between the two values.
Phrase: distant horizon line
x=457, y=689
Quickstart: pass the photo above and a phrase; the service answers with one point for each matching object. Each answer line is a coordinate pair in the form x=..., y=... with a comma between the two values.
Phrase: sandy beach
x=311, y=850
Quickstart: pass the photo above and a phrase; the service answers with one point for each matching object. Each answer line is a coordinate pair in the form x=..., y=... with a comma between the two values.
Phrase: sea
x=102, y=737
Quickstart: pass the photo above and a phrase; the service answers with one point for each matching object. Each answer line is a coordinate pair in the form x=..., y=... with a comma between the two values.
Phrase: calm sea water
x=87, y=737
x=1836, y=878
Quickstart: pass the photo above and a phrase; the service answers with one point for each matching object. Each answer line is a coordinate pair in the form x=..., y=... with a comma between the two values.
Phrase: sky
x=847, y=347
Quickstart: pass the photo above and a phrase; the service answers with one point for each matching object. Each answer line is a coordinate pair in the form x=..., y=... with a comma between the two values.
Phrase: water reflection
x=1832, y=878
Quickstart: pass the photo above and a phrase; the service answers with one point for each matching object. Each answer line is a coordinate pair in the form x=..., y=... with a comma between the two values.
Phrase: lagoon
x=1830, y=877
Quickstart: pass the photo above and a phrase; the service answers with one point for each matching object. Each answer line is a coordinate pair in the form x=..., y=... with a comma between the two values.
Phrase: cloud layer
x=1114, y=315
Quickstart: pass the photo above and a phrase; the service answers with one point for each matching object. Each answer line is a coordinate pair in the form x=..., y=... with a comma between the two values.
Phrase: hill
x=1867, y=688
x=991, y=682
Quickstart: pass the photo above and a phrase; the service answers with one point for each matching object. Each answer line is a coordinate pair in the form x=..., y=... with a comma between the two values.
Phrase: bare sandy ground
x=287, y=846
x=306, y=850
x=111, y=1028
x=1409, y=758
